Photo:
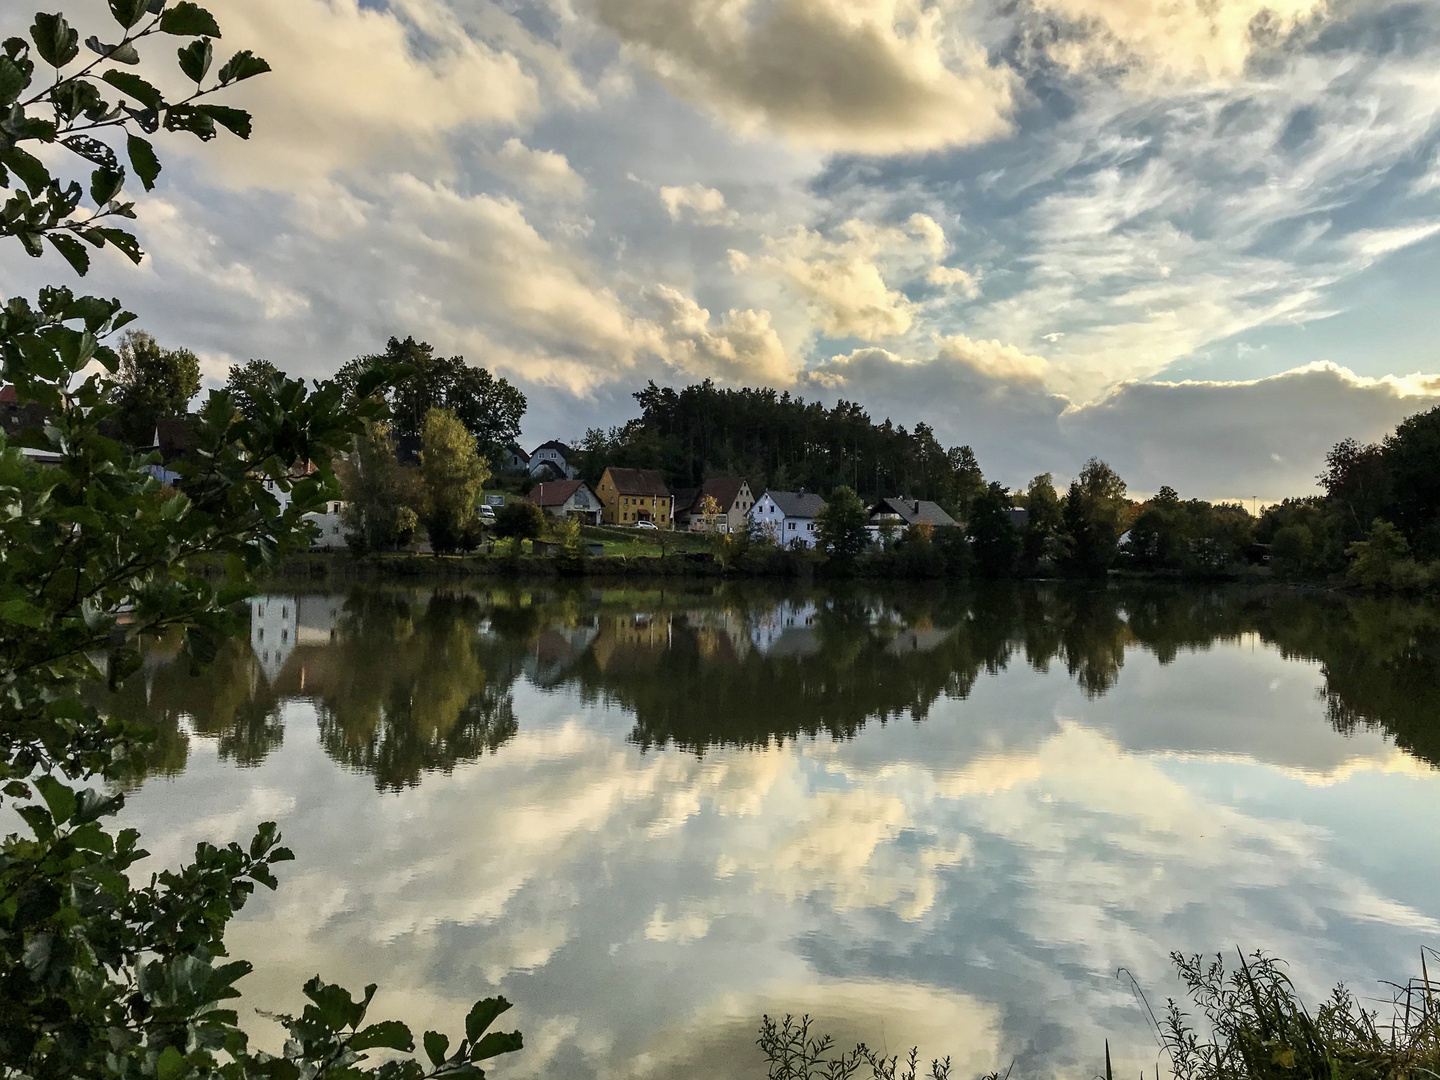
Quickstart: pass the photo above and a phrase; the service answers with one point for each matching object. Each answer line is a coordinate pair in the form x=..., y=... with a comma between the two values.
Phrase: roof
x=555, y=444
x=518, y=450
x=723, y=489
x=8, y=396
x=173, y=436
x=912, y=511
x=638, y=482
x=554, y=492
x=797, y=504
x=685, y=499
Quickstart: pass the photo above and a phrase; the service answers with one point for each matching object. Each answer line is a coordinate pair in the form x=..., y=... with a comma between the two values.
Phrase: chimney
x=802, y=492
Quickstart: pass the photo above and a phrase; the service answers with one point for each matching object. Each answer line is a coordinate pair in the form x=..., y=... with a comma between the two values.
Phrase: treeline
x=781, y=442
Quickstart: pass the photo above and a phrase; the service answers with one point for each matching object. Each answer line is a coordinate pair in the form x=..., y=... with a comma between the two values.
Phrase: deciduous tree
x=454, y=476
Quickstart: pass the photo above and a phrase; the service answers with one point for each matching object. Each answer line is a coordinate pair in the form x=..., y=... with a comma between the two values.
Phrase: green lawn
x=635, y=543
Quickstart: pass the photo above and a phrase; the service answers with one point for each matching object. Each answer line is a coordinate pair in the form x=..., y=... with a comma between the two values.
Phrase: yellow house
x=631, y=495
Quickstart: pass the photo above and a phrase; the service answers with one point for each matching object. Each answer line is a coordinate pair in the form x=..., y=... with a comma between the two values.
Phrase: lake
x=976, y=819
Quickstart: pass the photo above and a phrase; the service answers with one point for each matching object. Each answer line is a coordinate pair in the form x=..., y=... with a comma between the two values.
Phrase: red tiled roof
x=8, y=396
x=554, y=492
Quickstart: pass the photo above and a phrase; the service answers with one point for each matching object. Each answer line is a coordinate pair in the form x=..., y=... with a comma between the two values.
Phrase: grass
x=643, y=543
x=1254, y=1027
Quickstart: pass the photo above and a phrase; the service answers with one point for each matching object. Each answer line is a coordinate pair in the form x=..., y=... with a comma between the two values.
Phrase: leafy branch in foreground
x=99, y=977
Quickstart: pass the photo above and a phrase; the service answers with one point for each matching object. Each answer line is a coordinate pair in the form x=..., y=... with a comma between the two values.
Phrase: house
x=174, y=435
x=788, y=516
x=563, y=499
x=631, y=495
x=900, y=513
x=16, y=419
x=554, y=458
x=514, y=458
x=329, y=522
x=731, y=494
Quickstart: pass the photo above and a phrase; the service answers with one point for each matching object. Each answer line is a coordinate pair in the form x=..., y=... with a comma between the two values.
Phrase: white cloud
x=742, y=347
x=876, y=76
x=1188, y=39
x=848, y=275
x=706, y=205
x=545, y=171
x=994, y=359
x=347, y=89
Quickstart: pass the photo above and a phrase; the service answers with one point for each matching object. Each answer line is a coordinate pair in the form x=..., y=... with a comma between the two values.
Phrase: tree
x=98, y=976
x=153, y=384
x=251, y=383
x=1094, y=516
x=490, y=408
x=995, y=539
x=709, y=512
x=841, y=525
x=519, y=521
x=1412, y=459
x=380, y=495
x=454, y=476
x=1042, y=545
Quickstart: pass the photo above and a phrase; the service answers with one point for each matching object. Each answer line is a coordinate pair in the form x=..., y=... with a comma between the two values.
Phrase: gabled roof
x=174, y=435
x=639, y=482
x=555, y=492
x=723, y=489
x=911, y=511
x=518, y=450
x=797, y=504
x=686, y=499
x=8, y=396
x=555, y=444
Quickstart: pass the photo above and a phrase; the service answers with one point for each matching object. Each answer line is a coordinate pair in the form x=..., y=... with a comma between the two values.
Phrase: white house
x=788, y=516
x=274, y=621
x=328, y=521
x=786, y=630
x=554, y=457
x=563, y=499
x=514, y=458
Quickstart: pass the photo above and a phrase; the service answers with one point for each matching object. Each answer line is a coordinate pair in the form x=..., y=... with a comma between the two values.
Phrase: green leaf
x=495, y=1044
x=105, y=184
x=170, y=1063
x=22, y=612
x=143, y=161
x=28, y=168
x=134, y=86
x=436, y=1047
x=482, y=1015
x=119, y=238
x=128, y=12
x=73, y=251
x=55, y=40
x=13, y=80
x=195, y=59
x=189, y=20
x=59, y=798
x=92, y=150
x=125, y=53
x=387, y=1035
x=236, y=120
x=243, y=65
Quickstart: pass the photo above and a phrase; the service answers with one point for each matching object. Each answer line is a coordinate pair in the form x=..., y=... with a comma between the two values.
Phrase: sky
x=1196, y=238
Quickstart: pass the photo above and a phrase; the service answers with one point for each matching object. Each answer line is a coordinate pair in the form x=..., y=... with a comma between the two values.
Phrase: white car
x=646, y=525
x=487, y=513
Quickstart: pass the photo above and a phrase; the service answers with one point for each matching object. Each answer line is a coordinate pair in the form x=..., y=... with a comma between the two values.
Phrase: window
x=260, y=636
x=792, y=526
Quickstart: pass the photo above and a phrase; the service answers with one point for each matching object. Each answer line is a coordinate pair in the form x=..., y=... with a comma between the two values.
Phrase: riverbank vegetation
x=102, y=974
x=1256, y=1026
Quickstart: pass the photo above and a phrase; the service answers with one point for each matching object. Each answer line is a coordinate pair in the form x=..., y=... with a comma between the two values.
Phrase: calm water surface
x=924, y=815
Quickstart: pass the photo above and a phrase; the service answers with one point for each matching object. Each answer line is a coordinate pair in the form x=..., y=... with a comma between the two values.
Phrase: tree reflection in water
x=410, y=681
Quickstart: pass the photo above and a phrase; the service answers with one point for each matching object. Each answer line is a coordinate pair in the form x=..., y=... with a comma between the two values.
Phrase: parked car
x=646, y=525
x=487, y=513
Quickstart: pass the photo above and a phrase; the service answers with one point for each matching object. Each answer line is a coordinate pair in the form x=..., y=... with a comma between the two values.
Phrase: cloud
x=994, y=359
x=877, y=77
x=843, y=274
x=1176, y=39
x=1265, y=437
x=743, y=347
x=706, y=205
x=539, y=170
x=348, y=88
